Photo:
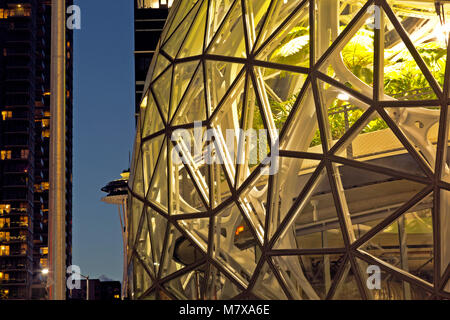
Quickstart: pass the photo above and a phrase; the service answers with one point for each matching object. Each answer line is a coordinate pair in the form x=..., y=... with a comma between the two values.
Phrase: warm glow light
x=441, y=32
x=239, y=230
x=45, y=271
x=144, y=102
x=343, y=97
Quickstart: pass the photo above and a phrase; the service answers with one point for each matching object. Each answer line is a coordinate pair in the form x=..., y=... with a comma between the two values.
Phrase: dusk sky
x=103, y=130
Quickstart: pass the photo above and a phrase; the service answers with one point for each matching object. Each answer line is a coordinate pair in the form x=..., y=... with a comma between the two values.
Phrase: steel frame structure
x=238, y=37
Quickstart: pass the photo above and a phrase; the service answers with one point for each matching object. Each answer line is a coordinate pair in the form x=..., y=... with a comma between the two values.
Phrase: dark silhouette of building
x=98, y=290
x=149, y=19
x=25, y=57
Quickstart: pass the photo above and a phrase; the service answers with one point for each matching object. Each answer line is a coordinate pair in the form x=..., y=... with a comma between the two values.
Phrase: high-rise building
x=149, y=19
x=25, y=57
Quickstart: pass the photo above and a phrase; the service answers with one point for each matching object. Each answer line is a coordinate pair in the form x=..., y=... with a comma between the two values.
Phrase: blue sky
x=103, y=130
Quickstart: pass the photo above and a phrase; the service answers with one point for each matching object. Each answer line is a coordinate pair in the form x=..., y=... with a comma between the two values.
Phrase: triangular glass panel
x=161, y=64
x=230, y=39
x=277, y=14
x=235, y=248
x=151, y=150
x=220, y=187
x=219, y=286
x=291, y=172
x=193, y=45
x=316, y=215
x=182, y=78
x=290, y=45
x=370, y=196
x=253, y=141
x=347, y=288
x=183, y=12
x=174, y=239
x=421, y=127
x=309, y=277
x=253, y=201
x=301, y=129
x=352, y=61
x=198, y=231
x=134, y=220
x=187, y=286
x=226, y=123
x=141, y=279
x=256, y=15
x=217, y=11
x=391, y=287
x=152, y=120
x=407, y=243
x=347, y=11
x=138, y=178
x=159, y=192
x=193, y=106
x=428, y=31
x=267, y=286
x=377, y=144
x=317, y=274
x=403, y=79
x=358, y=55
x=175, y=41
x=143, y=247
x=281, y=89
x=342, y=111
x=161, y=87
x=157, y=225
x=220, y=77
x=189, y=176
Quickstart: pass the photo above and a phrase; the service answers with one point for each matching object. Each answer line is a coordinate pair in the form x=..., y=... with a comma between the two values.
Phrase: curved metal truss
x=352, y=199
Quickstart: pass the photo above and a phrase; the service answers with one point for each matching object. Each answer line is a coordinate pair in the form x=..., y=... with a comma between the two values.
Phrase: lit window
x=24, y=153
x=5, y=154
x=5, y=236
x=6, y=115
x=20, y=11
x=24, y=221
x=5, y=208
x=3, y=14
x=46, y=133
x=116, y=296
x=4, y=250
x=43, y=262
x=44, y=250
x=239, y=230
x=4, y=223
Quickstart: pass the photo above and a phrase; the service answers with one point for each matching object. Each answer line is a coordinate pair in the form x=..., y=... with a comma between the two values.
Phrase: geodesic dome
x=293, y=150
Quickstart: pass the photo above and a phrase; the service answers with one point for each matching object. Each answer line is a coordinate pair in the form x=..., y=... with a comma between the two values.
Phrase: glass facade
x=294, y=150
